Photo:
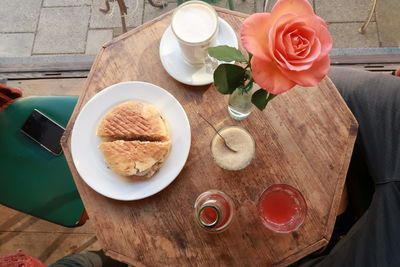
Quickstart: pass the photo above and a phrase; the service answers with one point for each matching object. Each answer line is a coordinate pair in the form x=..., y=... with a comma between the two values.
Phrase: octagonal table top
x=304, y=138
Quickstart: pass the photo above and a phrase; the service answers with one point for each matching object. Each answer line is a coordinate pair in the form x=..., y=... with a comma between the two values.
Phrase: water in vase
x=240, y=105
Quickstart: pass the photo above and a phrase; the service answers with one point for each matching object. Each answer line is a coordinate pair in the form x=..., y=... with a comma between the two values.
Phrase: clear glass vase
x=239, y=105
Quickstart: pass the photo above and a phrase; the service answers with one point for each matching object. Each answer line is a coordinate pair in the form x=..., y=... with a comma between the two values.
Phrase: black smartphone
x=44, y=131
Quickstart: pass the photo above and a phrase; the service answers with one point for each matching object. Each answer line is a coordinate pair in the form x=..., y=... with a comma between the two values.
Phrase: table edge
x=352, y=135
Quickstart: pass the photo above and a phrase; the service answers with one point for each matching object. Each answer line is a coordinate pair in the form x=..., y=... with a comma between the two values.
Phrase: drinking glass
x=195, y=27
x=282, y=208
x=240, y=140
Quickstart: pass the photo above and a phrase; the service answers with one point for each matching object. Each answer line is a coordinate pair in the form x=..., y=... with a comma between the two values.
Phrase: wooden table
x=304, y=138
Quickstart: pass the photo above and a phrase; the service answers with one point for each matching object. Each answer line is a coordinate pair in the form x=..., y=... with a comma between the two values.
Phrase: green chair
x=32, y=179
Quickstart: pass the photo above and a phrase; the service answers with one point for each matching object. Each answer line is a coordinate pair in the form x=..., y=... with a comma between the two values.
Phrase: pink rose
x=290, y=46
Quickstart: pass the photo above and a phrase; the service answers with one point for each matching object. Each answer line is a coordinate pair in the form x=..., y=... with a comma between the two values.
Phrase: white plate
x=179, y=69
x=90, y=162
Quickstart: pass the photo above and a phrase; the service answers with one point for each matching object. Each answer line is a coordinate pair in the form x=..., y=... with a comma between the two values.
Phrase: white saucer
x=182, y=71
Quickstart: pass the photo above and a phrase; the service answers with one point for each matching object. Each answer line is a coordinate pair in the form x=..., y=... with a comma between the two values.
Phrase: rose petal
x=299, y=7
x=325, y=39
x=312, y=76
x=307, y=23
x=306, y=36
x=273, y=35
x=287, y=43
x=277, y=48
x=283, y=43
x=267, y=75
x=298, y=66
x=321, y=32
x=314, y=54
x=254, y=34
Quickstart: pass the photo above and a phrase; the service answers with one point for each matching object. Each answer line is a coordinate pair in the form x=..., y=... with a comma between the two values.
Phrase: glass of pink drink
x=282, y=208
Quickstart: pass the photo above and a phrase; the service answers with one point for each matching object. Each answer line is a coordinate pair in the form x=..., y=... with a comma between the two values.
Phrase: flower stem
x=247, y=86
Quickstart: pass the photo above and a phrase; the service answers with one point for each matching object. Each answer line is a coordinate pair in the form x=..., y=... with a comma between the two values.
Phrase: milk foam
x=194, y=23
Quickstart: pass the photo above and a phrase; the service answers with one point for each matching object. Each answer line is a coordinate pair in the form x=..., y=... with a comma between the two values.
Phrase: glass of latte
x=195, y=26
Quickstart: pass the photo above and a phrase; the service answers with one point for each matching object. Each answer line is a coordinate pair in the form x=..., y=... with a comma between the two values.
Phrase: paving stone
x=346, y=35
x=260, y=5
x=62, y=30
x=101, y=20
x=19, y=15
x=388, y=19
x=244, y=6
x=343, y=10
x=151, y=12
x=96, y=38
x=270, y=3
x=16, y=44
x=58, y=3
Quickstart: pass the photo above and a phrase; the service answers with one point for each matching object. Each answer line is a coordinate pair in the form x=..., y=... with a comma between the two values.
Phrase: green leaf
x=270, y=97
x=226, y=53
x=261, y=97
x=227, y=77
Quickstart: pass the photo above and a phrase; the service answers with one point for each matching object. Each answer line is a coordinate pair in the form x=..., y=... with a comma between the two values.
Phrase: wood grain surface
x=40, y=87
x=304, y=138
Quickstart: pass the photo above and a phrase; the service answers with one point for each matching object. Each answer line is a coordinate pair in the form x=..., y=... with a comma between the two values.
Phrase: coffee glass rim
x=210, y=7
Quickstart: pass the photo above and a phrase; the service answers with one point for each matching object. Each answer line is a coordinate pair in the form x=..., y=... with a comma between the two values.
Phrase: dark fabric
x=374, y=99
x=374, y=240
x=87, y=259
x=84, y=259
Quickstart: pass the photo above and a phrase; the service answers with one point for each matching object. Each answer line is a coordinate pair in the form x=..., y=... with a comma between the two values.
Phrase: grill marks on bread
x=133, y=121
x=119, y=125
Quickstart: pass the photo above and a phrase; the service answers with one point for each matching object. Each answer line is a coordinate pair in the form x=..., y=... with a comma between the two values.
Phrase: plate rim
x=99, y=95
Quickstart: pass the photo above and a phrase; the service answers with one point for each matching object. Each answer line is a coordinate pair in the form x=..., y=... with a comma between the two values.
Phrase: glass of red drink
x=282, y=208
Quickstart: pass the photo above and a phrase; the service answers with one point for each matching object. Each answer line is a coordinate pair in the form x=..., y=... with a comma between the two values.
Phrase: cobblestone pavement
x=58, y=27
